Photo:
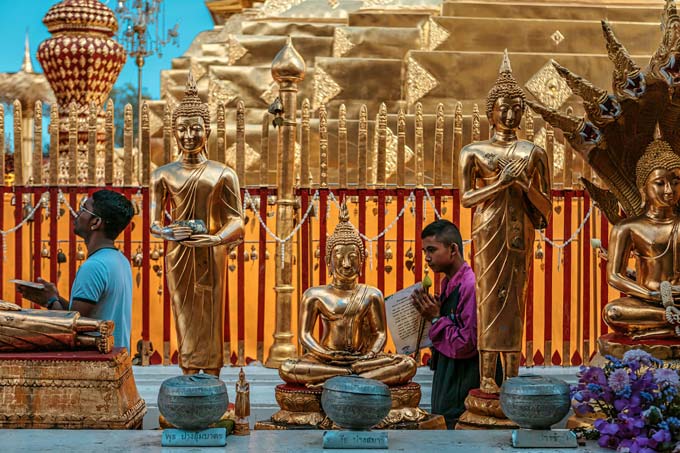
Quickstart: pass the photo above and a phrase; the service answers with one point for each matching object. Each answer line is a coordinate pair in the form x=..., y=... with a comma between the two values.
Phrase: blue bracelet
x=51, y=302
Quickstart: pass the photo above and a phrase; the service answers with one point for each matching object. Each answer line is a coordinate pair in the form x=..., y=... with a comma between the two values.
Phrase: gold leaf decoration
x=549, y=87
x=269, y=95
x=419, y=82
x=341, y=43
x=235, y=51
x=218, y=91
x=437, y=35
x=325, y=88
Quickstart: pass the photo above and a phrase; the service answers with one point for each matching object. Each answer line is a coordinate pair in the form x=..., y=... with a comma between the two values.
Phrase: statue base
x=616, y=344
x=69, y=390
x=301, y=409
x=483, y=411
x=211, y=437
x=544, y=438
x=360, y=440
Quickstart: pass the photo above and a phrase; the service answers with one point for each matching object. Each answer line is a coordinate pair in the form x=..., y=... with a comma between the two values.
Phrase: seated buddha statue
x=26, y=330
x=353, y=324
x=652, y=239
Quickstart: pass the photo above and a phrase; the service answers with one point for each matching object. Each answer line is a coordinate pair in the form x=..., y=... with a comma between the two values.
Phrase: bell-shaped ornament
x=45, y=251
x=80, y=254
x=61, y=256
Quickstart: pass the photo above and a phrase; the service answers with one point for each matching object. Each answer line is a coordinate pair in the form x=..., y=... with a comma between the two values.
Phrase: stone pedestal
x=483, y=411
x=69, y=390
x=616, y=345
x=301, y=409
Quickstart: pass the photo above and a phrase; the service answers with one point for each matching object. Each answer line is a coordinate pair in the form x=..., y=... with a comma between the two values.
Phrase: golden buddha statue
x=352, y=317
x=49, y=330
x=508, y=181
x=652, y=238
x=242, y=405
x=205, y=206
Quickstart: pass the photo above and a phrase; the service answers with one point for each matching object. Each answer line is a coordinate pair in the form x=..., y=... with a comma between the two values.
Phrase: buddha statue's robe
x=208, y=191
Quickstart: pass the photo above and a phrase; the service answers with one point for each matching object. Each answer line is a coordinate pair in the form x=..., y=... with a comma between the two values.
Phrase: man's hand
x=202, y=240
x=39, y=296
x=428, y=305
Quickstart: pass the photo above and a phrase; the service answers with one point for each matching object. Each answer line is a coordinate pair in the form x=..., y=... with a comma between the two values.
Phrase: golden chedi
x=508, y=181
x=205, y=207
x=353, y=325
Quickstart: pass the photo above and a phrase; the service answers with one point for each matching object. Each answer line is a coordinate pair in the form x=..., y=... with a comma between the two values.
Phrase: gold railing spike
x=54, y=145
x=401, y=148
x=305, y=148
x=18, y=139
x=92, y=144
x=109, y=146
x=439, y=146
x=37, y=173
x=419, y=147
x=73, y=170
x=145, y=151
x=127, y=146
x=363, y=145
x=381, y=173
x=241, y=141
x=342, y=146
x=323, y=146
x=457, y=144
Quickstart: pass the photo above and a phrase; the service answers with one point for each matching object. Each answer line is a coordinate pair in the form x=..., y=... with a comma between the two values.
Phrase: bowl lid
x=531, y=384
x=356, y=385
x=193, y=385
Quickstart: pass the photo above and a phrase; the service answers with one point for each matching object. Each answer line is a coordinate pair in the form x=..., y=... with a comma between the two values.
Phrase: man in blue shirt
x=102, y=288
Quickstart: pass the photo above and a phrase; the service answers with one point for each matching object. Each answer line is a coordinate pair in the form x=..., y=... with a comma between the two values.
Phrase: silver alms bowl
x=535, y=402
x=193, y=402
x=353, y=402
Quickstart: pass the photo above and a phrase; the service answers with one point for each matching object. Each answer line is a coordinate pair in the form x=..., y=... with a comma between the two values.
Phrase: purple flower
x=667, y=377
x=637, y=355
x=618, y=380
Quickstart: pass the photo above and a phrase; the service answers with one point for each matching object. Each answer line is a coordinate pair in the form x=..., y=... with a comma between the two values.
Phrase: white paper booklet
x=403, y=320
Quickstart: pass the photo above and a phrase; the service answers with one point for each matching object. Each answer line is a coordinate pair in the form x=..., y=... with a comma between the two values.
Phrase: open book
x=404, y=321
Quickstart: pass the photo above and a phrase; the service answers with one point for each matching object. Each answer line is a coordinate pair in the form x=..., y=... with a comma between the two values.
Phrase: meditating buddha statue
x=508, y=181
x=51, y=330
x=652, y=238
x=353, y=323
x=205, y=207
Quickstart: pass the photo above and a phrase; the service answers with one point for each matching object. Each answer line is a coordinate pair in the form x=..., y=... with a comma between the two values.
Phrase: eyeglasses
x=83, y=208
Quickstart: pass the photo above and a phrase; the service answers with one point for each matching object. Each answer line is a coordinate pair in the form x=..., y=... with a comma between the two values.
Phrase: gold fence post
x=401, y=149
x=37, y=144
x=145, y=146
x=439, y=146
x=305, y=151
x=363, y=145
x=73, y=169
x=288, y=68
x=457, y=144
x=381, y=171
x=54, y=146
x=18, y=155
x=127, y=145
x=420, y=147
x=323, y=147
x=342, y=146
x=92, y=144
x=110, y=143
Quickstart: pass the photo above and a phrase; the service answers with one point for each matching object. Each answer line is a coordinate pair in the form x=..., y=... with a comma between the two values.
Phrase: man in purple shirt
x=453, y=313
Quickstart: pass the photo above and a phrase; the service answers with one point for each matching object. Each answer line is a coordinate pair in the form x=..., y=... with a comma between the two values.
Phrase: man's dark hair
x=114, y=209
x=446, y=232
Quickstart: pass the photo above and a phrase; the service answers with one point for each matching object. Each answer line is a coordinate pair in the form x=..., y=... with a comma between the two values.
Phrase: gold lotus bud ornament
x=427, y=281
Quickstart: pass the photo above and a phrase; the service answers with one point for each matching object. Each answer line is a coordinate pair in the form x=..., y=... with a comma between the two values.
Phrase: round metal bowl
x=535, y=402
x=193, y=402
x=353, y=402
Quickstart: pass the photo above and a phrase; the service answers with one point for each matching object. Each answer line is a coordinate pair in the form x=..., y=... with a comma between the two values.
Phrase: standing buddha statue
x=508, y=181
x=205, y=205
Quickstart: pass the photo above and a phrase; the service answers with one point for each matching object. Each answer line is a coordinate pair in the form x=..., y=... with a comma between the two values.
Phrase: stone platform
x=24, y=440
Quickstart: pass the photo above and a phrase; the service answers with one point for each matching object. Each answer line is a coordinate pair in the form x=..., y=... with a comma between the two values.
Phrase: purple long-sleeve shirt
x=458, y=342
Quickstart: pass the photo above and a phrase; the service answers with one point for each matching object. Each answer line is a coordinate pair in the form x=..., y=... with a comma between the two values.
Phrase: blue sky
x=16, y=16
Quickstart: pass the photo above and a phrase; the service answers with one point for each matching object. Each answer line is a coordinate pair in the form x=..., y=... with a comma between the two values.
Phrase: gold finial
x=344, y=234
x=27, y=65
x=658, y=154
x=505, y=64
x=288, y=65
x=506, y=86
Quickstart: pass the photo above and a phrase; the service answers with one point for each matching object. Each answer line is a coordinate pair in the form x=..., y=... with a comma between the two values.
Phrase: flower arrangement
x=638, y=399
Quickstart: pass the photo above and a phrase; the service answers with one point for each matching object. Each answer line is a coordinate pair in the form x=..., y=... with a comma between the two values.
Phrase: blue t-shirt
x=105, y=280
